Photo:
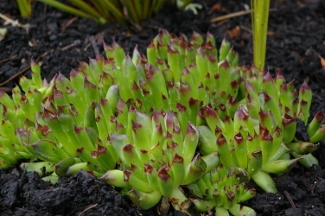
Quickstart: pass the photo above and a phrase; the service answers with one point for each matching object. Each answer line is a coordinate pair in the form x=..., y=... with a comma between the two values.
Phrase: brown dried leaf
x=235, y=32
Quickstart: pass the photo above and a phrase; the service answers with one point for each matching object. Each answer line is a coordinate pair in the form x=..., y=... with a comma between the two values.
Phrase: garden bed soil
x=295, y=45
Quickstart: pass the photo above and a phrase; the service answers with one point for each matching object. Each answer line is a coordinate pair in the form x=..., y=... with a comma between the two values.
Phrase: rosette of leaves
x=223, y=189
x=157, y=159
x=271, y=111
x=288, y=109
x=246, y=143
x=64, y=123
x=178, y=74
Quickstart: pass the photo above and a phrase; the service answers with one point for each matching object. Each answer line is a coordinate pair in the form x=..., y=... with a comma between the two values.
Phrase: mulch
x=295, y=45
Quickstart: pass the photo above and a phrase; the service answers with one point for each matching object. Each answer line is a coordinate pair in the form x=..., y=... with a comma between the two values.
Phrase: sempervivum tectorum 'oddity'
x=157, y=158
x=64, y=123
x=247, y=143
x=146, y=113
x=277, y=104
x=223, y=189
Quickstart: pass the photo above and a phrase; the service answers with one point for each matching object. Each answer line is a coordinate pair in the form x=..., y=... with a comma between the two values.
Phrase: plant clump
x=184, y=123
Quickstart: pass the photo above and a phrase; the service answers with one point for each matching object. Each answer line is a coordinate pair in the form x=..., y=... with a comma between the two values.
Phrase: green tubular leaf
x=48, y=150
x=178, y=170
x=307, y=160
x=95, y=69
x=236, y=209
x=305, y=94
x=139, y=172
x=141, y=128
x=302, y=147
x=145, y=200
x=6, y=101
x=266, y=144
x=224, y=49
x=225, y=77
x=105, y=156
x=36, y=74
x=62, y=167
x=319, y=135
x=315, y=123
x=242, y=119
x=82, y=137
x=112, y=97
x=114, y=178
x=289, y=128
x=42, y=168
x=241, y=150
x=264, y=180
x=273, y=107
x=269, y=86
x=212, y=118
x=212, y=160
x=157, y=86
x=174, y=62
x=207, y=140
x=151, y=55
x=103, y=131
x=72, y=170
x=119, y=142
x=282, y=149
x=130, y=153
x=277, y=140
x=254, y=162
x=190, y=143
x=203, y=187
x=137, y=183
x=195, y=170
x=203, y=205
x=179, y=201
x=25, y=84
x=279, y=166
x=151, y=174
x=225, y=154
x=221, y=211
x=201, y=60
x=7, y=131
x=165, y=182
x=128, y=78
x=91, y=92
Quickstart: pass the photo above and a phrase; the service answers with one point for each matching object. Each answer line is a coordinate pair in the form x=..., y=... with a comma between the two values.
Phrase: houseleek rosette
x=246, y=143
x=178, y=74
x=65, y=123
x=157, y=158
x=223, y=189
x=287, y=108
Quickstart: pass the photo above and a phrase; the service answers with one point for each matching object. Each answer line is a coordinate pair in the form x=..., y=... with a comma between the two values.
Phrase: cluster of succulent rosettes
x=157, y=158
x=261, y=134
x=178, y=74
x=65, y=123
x=277, y=103
x=223, y=189
x=151, y=115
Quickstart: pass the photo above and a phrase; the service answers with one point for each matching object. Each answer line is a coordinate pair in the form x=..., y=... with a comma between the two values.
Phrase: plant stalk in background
x=121, y=11
x=25, y=7
x=260, y=16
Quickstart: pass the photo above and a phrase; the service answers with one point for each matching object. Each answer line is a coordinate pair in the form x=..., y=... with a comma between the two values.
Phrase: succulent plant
x=157, y=158
x=157, y=124
x=223, y=189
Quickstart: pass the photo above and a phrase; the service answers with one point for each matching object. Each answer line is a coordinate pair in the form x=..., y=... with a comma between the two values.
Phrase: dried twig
x=232, y=15
x=90, y=207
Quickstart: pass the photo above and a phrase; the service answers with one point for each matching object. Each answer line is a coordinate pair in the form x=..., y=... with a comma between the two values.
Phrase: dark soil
x=296, y=45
